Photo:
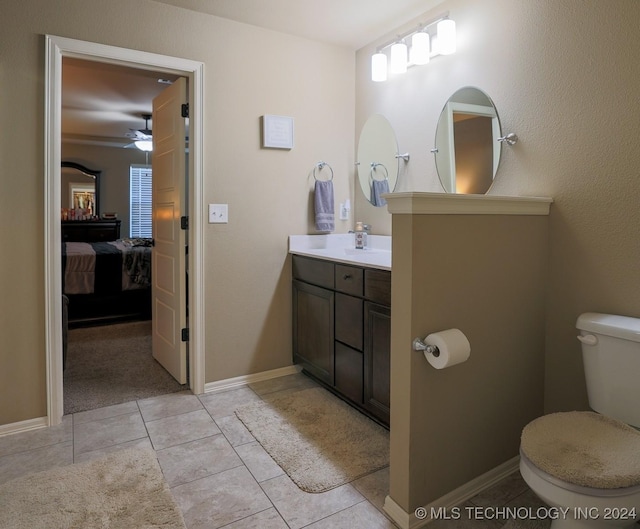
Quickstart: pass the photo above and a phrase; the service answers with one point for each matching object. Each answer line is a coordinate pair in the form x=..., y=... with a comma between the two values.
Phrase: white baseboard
x=458, y=496
x=23, y=426
x=236, y=382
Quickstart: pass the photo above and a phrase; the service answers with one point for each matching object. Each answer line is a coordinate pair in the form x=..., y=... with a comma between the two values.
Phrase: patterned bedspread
x=106, y=267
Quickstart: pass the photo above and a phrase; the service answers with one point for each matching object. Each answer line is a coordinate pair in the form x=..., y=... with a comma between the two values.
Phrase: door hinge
x=185, y=110
x=184, y=222
x=185, y=334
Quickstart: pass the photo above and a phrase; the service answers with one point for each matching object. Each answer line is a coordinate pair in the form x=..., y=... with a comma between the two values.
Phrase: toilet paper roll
x=452, y=345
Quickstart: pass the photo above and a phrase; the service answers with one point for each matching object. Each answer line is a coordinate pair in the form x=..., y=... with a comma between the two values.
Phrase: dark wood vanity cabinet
x=90, y=230
x=342, y=330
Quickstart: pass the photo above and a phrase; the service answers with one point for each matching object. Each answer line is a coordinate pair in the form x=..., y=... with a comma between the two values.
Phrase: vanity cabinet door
x=377, y=360
x=349, y=318
x=313, y=330
x=349, y=379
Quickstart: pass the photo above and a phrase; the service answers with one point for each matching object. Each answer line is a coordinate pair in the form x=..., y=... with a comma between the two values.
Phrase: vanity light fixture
x=420, y=48
x=379, y=67
x=436, y=37
x=446, y=36
x=398, y=63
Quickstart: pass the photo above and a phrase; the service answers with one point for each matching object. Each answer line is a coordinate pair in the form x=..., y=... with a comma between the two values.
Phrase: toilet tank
x=611, y=357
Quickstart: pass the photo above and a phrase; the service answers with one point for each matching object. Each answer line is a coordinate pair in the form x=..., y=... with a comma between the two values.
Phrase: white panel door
x=168, y=288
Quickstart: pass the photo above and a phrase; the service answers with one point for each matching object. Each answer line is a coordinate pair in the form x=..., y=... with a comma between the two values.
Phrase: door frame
x=56, y=49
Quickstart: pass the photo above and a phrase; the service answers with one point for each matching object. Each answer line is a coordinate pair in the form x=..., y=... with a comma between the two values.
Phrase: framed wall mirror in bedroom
x=80, y=188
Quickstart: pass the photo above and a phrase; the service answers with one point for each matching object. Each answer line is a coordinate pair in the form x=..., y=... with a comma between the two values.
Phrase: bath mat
x=319, y=441
x=123, y=490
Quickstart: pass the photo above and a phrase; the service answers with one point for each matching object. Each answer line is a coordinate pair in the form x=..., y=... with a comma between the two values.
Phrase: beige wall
x=248, y=72
x=485, y=275
x=564, y=76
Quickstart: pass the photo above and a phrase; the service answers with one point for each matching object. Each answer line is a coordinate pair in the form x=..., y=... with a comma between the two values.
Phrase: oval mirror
x=377, y=161
x=467, y=150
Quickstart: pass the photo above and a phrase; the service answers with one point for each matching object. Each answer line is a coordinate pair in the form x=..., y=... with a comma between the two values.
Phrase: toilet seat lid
x=584, y=448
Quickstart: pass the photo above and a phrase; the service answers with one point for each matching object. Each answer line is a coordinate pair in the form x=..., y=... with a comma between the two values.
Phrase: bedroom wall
x=248, y=72
x=563, y=76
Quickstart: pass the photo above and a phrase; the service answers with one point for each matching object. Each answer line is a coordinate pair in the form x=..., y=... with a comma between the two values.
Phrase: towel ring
x=321, y=166
x=374, y=167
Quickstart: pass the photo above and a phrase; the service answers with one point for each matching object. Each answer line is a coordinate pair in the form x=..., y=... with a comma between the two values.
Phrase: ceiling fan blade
x=139, y=134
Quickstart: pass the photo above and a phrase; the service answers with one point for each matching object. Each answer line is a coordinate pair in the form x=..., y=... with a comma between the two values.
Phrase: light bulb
x=446, y=37
x=419, y=53
x=378, y=67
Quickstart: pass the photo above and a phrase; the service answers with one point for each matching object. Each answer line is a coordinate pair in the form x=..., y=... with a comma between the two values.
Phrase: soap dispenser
x=360, y=236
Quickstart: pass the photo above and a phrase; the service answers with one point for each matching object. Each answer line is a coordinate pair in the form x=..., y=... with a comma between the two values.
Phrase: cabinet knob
x=346, y=276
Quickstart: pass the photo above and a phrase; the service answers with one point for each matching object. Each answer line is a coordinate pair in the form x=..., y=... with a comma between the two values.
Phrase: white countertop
x=340, y=247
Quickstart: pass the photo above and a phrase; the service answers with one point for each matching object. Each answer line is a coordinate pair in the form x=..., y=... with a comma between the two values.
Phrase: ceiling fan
x=142, y=138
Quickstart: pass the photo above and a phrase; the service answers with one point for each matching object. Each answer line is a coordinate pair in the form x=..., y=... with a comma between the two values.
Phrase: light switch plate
x=218, y=213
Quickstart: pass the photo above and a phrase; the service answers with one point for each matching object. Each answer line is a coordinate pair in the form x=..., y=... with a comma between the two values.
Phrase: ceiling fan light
x=144, y=145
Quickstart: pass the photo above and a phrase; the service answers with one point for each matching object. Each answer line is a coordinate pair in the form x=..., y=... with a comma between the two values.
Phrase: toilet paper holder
x=419, y=345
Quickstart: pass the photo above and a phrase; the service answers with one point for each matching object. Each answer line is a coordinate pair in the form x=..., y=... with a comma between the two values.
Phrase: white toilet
x=586, y=465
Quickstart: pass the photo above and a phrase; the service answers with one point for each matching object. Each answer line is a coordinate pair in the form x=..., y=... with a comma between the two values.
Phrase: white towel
x=323, y=201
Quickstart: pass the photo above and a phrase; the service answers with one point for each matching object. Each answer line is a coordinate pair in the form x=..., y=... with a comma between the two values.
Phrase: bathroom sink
x=340, y=248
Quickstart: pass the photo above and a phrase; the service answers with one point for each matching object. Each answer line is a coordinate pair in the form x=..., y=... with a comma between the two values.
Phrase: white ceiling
x=351, y=23
x=101, y=103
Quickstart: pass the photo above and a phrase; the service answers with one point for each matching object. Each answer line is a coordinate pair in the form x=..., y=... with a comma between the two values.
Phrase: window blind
x=140, y=201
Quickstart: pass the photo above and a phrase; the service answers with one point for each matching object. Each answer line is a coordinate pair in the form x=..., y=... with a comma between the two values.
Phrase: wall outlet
x=344, y=211
x=218, y=213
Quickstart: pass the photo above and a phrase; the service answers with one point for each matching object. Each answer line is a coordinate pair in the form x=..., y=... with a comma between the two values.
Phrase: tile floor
x=218, y=473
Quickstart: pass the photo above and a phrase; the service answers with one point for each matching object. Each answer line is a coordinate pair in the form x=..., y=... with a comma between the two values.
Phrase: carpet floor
x=319, y=441
x=112, y=364
x=124, y=490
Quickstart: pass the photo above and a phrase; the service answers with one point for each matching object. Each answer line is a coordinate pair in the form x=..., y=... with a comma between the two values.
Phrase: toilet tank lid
x=610, y=325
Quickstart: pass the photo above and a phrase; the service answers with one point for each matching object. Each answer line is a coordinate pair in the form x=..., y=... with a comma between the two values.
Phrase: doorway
x=56, y=49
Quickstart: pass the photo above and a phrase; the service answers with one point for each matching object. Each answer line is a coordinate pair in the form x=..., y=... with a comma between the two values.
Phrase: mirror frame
x=93, y=173
x=448, y=181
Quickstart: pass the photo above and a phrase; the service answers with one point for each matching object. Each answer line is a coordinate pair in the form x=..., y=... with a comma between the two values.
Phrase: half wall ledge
x=422, y=203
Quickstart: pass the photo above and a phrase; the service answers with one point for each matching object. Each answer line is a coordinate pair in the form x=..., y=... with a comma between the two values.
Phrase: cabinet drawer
x=314, y=271
x=349, y=280
x=349, y=320
x=377, y=286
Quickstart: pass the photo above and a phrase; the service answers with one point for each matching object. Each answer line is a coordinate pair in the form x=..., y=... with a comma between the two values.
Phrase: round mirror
x=467, y=149
x=377, y=162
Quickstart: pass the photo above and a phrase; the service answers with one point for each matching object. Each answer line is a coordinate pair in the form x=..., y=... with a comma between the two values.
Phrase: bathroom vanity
x=342, y=324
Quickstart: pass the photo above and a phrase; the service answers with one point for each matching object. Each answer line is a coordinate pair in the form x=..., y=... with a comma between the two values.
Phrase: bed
x=107, y=279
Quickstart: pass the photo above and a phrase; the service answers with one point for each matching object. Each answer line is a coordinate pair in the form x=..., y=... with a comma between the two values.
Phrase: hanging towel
x=323, y=201
x=378, y=188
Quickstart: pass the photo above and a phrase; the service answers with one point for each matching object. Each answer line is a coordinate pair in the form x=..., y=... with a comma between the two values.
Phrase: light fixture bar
x=435, y=37
x=431, y=23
